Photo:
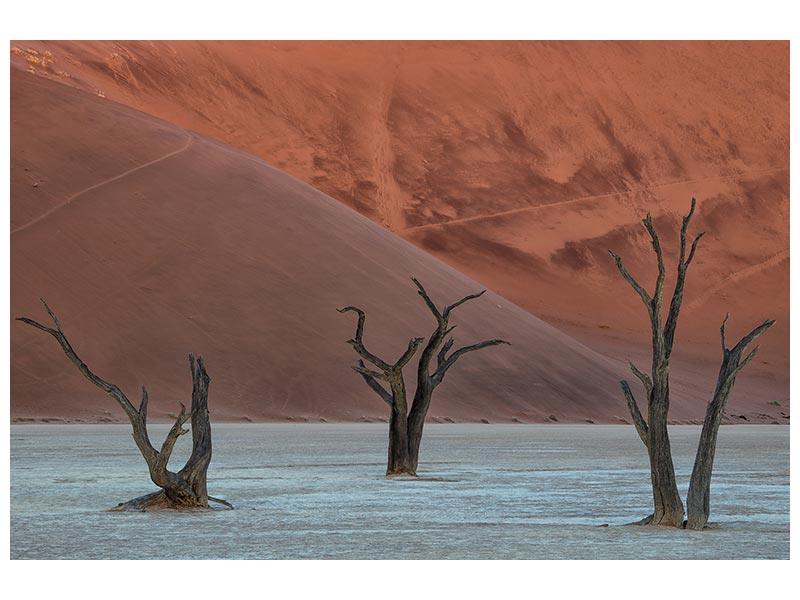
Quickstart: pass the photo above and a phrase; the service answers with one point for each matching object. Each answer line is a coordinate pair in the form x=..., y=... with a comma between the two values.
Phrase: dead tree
x=185, y=489
x=440, y=344
x=392, y=373
x=405, y=426
x=668, y=507
x=697, y=502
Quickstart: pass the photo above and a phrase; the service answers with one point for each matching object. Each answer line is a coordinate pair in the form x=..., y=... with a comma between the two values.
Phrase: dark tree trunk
x=667, y=505
x=405, y=426
x=185, y=489
x=698, y=501
x=416, y=421
x=668, y=508
x=399, y=461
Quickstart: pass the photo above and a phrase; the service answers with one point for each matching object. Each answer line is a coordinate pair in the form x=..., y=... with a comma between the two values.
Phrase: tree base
x=401, y=472
x=160, y=501
x=648, y=521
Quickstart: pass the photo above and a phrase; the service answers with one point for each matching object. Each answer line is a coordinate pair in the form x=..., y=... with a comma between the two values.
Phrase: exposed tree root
x=221, y=501
x=161, y=501
x=401, y=473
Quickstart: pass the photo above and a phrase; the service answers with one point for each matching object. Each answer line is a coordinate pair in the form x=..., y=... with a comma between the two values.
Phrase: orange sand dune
x=150, y=241
x=518, y=163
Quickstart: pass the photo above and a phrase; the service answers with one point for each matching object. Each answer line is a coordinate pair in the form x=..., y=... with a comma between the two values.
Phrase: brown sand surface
x=519, y=164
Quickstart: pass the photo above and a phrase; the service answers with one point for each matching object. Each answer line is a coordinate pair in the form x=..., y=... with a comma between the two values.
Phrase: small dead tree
x=668, y=507
x=392, y=373
x=185, y=489
x=697, y=502
x=405, y=426
x=440, y=344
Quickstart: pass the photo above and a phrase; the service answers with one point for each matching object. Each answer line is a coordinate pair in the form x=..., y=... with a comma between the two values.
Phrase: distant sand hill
x=517, y=164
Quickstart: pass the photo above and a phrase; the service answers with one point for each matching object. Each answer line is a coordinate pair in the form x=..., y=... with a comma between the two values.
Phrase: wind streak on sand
x=74, y=196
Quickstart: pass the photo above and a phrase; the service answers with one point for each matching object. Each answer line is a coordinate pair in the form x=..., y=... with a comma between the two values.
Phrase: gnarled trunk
x=399, y=460
x=405, y=427
x=185, y=489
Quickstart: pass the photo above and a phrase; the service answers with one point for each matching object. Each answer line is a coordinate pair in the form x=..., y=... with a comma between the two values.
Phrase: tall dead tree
x=697, y=502
x=668, y=507
x=185, y=489
x=405, y=426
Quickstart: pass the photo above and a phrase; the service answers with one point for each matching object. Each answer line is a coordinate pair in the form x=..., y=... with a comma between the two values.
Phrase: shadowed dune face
x=517, y=163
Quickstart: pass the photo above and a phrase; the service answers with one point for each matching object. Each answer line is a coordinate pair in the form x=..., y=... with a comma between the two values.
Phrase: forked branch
x=445, y=362
x=371, y=379
x=185, y=489
x=357, y=342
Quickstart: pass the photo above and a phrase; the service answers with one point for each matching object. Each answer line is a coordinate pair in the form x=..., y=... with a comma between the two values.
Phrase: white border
x=410, y=19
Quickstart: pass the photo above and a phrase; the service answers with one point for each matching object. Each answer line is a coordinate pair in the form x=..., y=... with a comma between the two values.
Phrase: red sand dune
x=208, y=249
x=519, y=164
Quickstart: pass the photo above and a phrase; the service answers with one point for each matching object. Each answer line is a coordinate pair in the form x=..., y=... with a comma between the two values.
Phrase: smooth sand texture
x=208, y=249
x=449, y=129
x=519, y=164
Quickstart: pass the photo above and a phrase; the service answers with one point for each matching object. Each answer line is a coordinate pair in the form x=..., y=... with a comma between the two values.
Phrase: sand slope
x=151, y=241
x=517, y=163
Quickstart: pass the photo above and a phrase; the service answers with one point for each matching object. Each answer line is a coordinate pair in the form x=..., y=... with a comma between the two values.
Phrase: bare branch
x=431, y=305
x=694, y=248
x=636, y=415
x=440, y=359
x=358, y=343
x=111, y=389
x=362, y=370
x=371, y=379
x=648, y=223
x=175, y=432
x=747, y=359
x=643, y=377
x=671, y=323
x=751, y=337
x=143, y=405
x=684, y=228
x=451, y=307
x=731, y=363
x=629, y=278
x=413, y=344
x=722, y=334
x=451, y=360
